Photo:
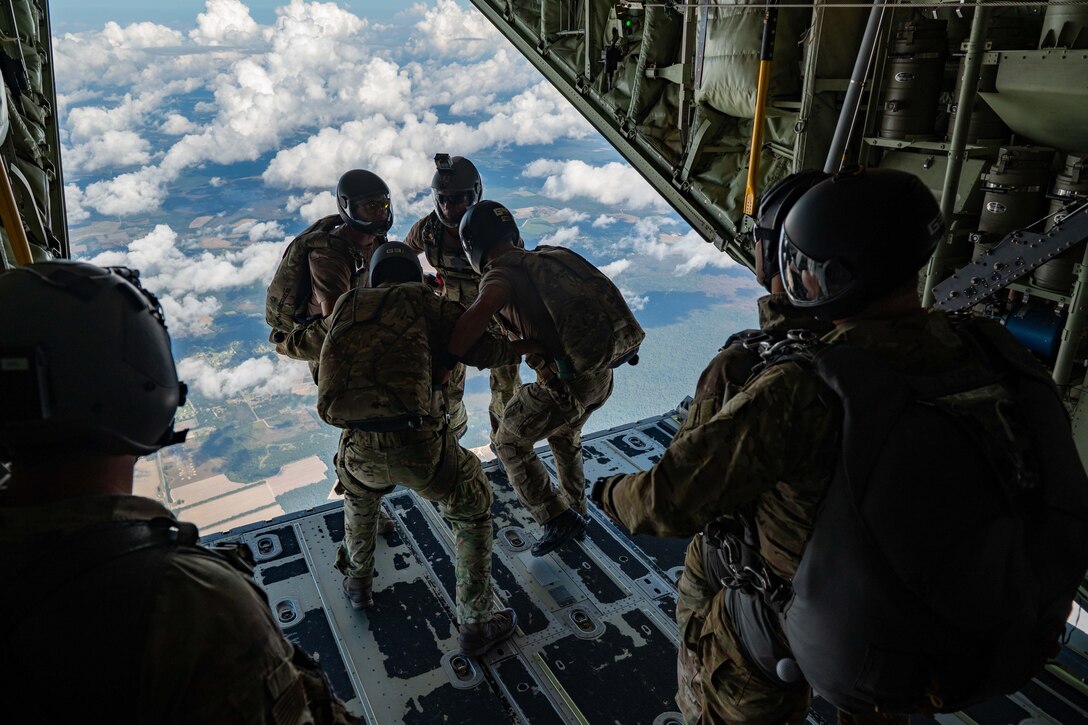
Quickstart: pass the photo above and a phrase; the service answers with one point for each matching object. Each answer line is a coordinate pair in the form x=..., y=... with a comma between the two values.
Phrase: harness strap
x=89, y=549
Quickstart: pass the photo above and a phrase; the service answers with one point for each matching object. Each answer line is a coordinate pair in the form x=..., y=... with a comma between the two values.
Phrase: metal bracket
x=1014, y=256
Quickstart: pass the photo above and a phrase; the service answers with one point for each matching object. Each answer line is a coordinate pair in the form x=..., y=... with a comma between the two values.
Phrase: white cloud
x=452, y=30
x=261, y=230
x=224, y=22
x=131, y=193
x=73, y=204
x=165, y=269
x=115, y=149
x=216, y=181
x=635, y=301
x=256, y=375
x=615, y=268
x=303, y=73
x=604, y=220
x=140, y=35
x=100, y=137
x=319, y=206
x=401, y=150
x=700, y=253
x=612, y=270
x=177, y=125
x=469, y=88
x=119, y=56
x=647, y=237
x=614, y=183
x=570, y=216
x=190, y=315
x=539, y=115
x=561, y=237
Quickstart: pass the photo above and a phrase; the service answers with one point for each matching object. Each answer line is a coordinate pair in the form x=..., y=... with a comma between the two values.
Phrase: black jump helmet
x=482, y=227
x=394, y=262
x=855, y=237
x=363, y=200
x=773, y=208
x=85, y=362
x=455, y=186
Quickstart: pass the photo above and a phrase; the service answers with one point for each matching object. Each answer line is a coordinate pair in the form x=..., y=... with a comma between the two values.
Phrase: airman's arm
x=473, y=324
x=414, y=237
x=330, y=277
x=745, y=450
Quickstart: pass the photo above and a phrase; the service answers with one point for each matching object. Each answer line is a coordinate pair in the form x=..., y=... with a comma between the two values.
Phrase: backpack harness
x=770, y=614
x=434, y=234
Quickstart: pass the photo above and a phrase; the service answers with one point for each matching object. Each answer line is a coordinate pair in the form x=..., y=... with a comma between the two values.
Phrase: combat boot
x=359, y=591
x=477, y=638
x=385, y=522
x=564, y=527
x=581, y=535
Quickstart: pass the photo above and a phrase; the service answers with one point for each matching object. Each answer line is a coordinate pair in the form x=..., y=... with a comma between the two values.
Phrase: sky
x=199, y=137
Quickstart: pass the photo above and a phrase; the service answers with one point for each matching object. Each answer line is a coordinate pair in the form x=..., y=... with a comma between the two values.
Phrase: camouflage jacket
x=731, y=367
x=459, y=282
x=371, y=366
x=212, y=651
x=774, y=444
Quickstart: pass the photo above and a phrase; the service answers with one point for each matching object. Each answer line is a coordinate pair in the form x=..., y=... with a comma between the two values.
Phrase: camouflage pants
x=505, y=381
x=715, y=681
x=455, y=398
x=556, y=412
x=435, y=467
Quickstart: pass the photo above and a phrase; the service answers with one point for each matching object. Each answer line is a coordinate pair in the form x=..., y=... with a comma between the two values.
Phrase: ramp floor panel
x=596, y=640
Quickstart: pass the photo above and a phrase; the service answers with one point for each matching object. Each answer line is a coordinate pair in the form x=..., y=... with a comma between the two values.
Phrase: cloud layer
x=149, y=111
x=316, y=89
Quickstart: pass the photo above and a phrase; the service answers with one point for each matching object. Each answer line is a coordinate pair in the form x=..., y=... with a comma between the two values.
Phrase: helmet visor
x=452, y=204
x=369, y=209
x=810, y=282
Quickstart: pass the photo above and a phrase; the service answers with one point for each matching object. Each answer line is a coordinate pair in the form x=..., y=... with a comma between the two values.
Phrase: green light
x=627, y=23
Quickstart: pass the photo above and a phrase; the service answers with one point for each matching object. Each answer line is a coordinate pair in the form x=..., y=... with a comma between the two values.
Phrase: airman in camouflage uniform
x=435, y=236
x=549, y=408
x=426, y=458
x=769, y=441
x=116, y=614
x=776, y=443
x=340, y=263
x=210, y=650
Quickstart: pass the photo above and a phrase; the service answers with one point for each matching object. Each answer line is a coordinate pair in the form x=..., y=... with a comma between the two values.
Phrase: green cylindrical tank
x=1014, y=193
x=912, y=85
x=985, y=124
x=1071, y=183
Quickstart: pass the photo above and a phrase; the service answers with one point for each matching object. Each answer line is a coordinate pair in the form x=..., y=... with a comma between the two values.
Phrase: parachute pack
x=951, y=540
x=376, y=361
x=289, y=291
x=595, y=328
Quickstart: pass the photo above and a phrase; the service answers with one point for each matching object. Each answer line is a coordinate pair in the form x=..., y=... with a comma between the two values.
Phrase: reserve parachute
x=289, y=291
x=376, y=361
x=595, y=329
